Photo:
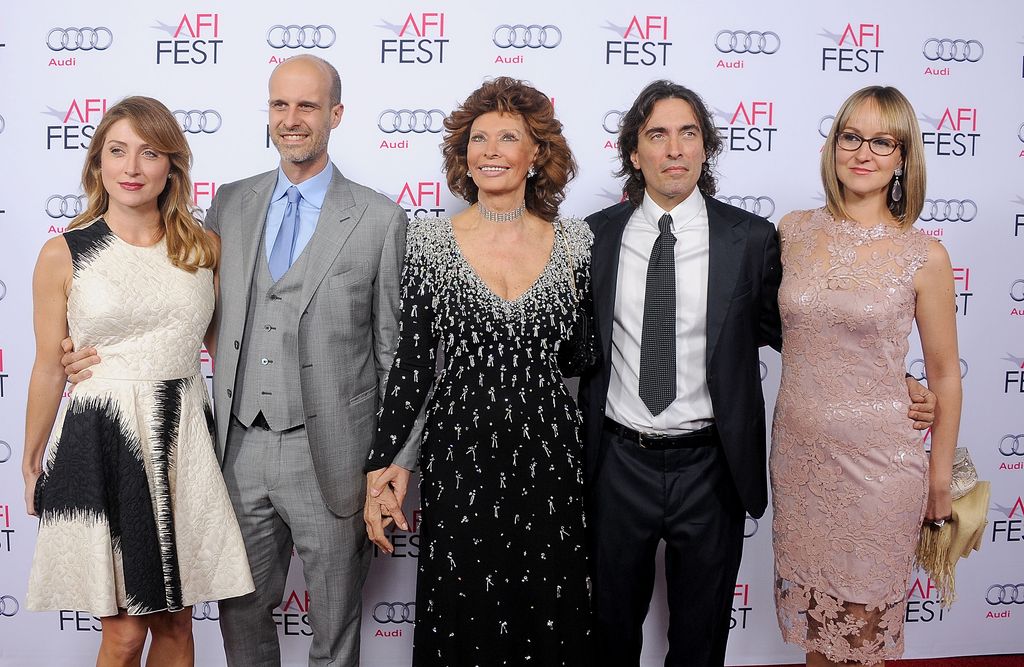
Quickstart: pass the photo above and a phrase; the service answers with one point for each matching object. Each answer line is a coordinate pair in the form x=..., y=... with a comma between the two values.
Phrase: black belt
x=704, y=437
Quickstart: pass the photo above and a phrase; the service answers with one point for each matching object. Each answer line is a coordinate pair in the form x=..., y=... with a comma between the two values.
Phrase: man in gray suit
x=305, y=338
x=305, y=329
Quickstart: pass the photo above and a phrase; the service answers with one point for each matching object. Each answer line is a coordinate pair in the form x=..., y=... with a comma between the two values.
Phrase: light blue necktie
x=284, y=246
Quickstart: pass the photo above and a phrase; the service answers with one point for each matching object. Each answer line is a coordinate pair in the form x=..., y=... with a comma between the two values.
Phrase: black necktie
x=658, y=344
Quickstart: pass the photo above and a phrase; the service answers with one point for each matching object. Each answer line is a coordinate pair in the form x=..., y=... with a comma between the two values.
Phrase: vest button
x=229, y=393
x=236, y=344
x=264, y=361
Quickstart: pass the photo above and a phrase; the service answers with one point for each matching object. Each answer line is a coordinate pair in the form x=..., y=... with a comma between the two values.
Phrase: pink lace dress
x=849, y=473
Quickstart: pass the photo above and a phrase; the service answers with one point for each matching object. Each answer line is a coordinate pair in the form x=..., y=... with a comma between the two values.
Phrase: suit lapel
x=726, y=247
x=255, y=203
x=338, y=217
x=604, y=274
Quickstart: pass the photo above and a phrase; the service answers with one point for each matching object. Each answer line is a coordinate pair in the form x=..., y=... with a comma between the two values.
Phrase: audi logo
x=395, y=612
x=521, y=36
x=742, y=41
x=949, y=210
x=205, y=611
x=1009, y=445
x=762, y=206
x=301, y=36
x=916, y=369
x=79, y=39
x=65, y=206
x=959, y=50
x=3, y=290
x=749, y=527
x=405, y=121
x=613, y=117
x=1016, y=290
x=8, y=605
x=194, y=121
x=825, y=124
x=1005, y=594
x=5, y=451
x=3, y=124
x=1020, y=133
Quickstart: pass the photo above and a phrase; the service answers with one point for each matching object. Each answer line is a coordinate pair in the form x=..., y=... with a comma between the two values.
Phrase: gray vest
x=268, y=367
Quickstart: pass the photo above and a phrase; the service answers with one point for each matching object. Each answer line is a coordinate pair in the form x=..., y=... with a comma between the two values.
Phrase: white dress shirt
x=691, y=408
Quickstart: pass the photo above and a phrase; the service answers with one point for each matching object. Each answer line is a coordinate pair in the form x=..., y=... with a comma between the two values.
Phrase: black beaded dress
x=502, y=572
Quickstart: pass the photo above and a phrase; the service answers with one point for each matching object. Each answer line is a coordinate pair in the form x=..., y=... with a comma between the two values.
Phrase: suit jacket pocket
x=363, y=395
x=351, y=275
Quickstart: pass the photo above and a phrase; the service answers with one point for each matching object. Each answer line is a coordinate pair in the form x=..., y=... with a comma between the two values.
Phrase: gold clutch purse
x=940, y=547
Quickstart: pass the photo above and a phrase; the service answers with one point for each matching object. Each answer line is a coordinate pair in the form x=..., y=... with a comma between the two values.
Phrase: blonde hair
x=188, y=245
x=899, y=120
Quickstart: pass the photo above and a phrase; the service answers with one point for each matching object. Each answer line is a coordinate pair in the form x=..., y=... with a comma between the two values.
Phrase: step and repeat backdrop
x=772, y=74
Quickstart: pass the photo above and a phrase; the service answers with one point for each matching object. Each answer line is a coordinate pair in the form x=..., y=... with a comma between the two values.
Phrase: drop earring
x=531, y=172
x=897, y=189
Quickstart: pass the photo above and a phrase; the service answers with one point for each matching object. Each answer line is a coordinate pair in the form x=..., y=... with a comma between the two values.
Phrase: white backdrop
x=773, y=74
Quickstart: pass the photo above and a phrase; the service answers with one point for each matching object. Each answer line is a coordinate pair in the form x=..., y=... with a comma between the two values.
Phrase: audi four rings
x=405, y=121
x=204, y=611
x=79, y=39
x=742, y=41
x=762, y=206
x=1005, y=594
x=5, y=452
x=521, y=36
x=3, y=290
x=953, y=50
x=301, y=36
x=916, y=369
x=1020, y=132
x=1016, y=290
x=395, y=612
x=194, y=121
x=616, y=118
x=65, y=206
x=8, y=605
x=3, y=124
x=1010, y=445
x=949, y=210
x=823, y=131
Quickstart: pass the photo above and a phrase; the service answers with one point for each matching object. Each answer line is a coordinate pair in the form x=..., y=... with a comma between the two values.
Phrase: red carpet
x=1016, y=660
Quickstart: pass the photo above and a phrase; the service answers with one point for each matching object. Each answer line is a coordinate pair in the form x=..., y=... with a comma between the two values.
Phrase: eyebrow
x=308, y=103
x=664, y=130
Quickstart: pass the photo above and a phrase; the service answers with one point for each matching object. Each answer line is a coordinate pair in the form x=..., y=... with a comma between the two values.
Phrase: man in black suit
x=685, y=292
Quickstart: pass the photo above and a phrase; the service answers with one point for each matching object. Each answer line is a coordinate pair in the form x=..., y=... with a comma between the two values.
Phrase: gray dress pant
x=269, y=476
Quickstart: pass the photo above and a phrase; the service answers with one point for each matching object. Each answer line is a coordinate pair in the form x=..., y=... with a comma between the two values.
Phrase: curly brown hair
x=555, y=164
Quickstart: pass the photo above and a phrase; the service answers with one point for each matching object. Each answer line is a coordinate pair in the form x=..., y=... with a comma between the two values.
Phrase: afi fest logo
x=420, y=39
x=1009, y=529
x=741, y=43
x=6, y=532
x=194, y=40
x=749, y=128
x=643, y=41
x=405, y=545
x=1018, y=219
x=3, y=376
x=203, y=191
x=1013, y=381
x=962, y=285
x=76, y=123
x=740, y=607
x=420, y=199
x=293, y=615
x=858, y=48
x=956, y=132
x=924, y=604
x=69, y=620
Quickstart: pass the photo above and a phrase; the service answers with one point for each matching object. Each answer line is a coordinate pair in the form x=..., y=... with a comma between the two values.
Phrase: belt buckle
x=640, y=436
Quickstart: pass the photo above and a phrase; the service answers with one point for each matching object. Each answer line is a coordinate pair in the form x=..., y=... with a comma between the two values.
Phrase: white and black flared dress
x=133, y=510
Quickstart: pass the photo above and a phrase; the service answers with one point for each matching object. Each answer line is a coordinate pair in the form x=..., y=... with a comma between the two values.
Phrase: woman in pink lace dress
x=851, y=482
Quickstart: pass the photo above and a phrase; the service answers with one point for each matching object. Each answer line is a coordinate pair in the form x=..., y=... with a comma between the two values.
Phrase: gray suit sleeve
x=386, y=316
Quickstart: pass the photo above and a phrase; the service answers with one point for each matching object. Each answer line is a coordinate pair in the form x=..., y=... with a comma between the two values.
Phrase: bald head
x=306, y=63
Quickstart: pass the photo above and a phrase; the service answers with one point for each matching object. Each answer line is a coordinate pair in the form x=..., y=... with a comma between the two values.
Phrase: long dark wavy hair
x=634, y=120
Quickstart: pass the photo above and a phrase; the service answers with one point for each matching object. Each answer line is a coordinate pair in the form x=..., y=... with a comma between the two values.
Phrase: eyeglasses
x=880, y=146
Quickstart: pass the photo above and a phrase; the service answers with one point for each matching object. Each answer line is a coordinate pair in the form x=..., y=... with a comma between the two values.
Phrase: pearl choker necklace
x=508, y=216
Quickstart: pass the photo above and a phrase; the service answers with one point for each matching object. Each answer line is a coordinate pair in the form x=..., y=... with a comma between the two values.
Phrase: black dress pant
x=687, y=498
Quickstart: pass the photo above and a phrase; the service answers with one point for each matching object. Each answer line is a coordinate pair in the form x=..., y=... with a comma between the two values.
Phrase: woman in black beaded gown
x=502, y=570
